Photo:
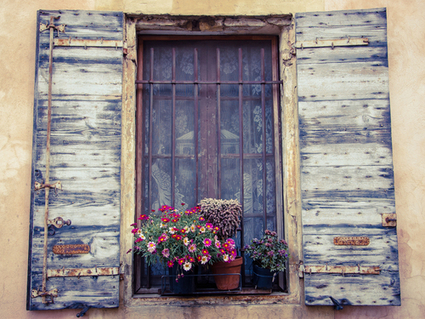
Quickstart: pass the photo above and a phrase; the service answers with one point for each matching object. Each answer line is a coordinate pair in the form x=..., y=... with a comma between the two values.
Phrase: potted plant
x=269, y=255
x=226, y=215
x=178, y=239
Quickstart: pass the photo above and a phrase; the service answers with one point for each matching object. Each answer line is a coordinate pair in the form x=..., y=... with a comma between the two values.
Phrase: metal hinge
x=331, y=43
x=56, y=186
x=343, y=270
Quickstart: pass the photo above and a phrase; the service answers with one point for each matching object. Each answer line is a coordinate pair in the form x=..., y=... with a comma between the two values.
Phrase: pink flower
x=151, y=247
x=134, y=230
x=181, y=261
x=209, y=225
x=170, y=263
x=166, y=253
x=192, y=248
x=207, y=242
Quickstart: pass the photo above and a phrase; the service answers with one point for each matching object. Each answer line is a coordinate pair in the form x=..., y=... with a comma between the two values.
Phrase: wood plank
x=353, y=289
x=334, y=114
x=376, y=34
x=328, y=19
x=345, y=154
x=86, y=24
x=346, y=178
x=320, y=249
x=372, y=54
x=342, y=81
x=76, y=293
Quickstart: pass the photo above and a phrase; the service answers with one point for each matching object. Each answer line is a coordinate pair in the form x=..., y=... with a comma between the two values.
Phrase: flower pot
x=227, y=282
x=184, y=286
x=262, y=278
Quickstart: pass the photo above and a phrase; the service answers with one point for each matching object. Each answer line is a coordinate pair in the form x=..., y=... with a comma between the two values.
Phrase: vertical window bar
x=173, y=129
x=241, y=150
x=195, y=61
x=148, y=279
x=263, y=110
x=218, y=124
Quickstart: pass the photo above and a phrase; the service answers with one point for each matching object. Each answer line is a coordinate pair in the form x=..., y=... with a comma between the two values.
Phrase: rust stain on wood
x=71, y=249
x=352, y=241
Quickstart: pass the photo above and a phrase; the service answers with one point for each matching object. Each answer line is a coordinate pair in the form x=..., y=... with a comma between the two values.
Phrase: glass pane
x=161, y=183
x=230, y=179
x=161, y=124
x=185, y=131
x=252, y=127
x=229, y=138
x=185, y=182
x=253, y=187
x=270, y=188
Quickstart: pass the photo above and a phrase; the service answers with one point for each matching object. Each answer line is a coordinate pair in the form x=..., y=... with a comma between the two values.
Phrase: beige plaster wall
x=406, y=34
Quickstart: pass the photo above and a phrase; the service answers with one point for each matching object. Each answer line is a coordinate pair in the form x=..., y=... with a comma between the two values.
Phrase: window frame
x=281, y=26
x=140, y=140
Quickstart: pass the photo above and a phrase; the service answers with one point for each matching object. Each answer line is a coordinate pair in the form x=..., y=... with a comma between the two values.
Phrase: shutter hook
x=83, y=312
x=337, y=304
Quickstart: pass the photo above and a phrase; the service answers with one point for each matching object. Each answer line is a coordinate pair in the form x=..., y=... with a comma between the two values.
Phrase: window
x=207, y=128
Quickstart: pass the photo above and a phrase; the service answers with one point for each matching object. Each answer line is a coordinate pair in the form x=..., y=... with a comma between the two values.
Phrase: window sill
x=238, y=298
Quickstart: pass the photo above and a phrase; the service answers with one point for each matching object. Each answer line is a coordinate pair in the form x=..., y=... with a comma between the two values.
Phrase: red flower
x=181, y=261
x=205, y=251
x=134, y=230
x=170, y=263
x=165, y=219
x=182, y=204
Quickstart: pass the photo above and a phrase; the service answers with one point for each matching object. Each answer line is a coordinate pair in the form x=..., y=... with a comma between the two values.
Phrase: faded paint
x=406, y=38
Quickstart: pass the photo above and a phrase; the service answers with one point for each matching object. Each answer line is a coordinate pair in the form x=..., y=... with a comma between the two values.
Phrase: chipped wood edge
x=128, y=159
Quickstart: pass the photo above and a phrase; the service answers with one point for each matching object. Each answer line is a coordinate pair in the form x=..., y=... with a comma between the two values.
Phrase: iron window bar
x=218, y=82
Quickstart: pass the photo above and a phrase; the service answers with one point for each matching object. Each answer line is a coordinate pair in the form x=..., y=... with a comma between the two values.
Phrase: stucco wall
x=406, y=36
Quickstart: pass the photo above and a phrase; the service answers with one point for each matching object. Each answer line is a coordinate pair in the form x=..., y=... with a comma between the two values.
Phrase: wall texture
x=406, y=36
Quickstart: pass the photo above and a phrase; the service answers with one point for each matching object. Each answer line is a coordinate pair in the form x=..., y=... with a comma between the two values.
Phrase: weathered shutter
x=82, y=264
x=350, y=244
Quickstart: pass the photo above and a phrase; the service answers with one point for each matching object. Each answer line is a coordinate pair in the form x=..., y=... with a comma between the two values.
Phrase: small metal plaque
x=351, y=241
x=71, y=249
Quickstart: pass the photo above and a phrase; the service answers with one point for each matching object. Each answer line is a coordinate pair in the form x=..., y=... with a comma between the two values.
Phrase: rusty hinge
x=45, y=294
x=83, y=272
x=332, y=43
x=100, y=43
x=326, y=269
x=389, y=220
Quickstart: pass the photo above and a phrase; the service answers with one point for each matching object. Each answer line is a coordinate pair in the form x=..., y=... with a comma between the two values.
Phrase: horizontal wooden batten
x=88, y=43
x=332, y=43
x=81, y=272
x=359, y=270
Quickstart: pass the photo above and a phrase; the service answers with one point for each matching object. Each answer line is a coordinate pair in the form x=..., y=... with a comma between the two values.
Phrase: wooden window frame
x=281, y=26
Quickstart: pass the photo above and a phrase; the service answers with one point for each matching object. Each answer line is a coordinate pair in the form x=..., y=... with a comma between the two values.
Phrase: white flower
x=187, y=266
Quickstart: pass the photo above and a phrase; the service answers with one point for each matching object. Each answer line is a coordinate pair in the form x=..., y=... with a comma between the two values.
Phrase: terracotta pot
x=230, y=281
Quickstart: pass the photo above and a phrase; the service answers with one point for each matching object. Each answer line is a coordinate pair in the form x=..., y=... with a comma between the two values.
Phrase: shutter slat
x=85, y=148
x=347, y=180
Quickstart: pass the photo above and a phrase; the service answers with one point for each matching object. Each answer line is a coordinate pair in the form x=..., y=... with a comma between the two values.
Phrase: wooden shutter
x=82, y=263
x=350, y=244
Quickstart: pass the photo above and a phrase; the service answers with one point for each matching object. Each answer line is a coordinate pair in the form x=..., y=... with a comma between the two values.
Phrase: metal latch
x=389, y=220
x=58, y=222
x=56, y=186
